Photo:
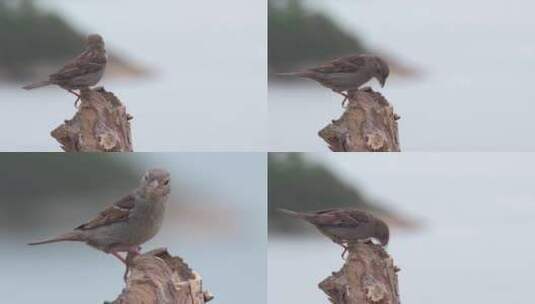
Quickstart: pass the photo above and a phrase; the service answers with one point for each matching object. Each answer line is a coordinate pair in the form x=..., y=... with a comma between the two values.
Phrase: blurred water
x=208, y=91
x=478, y=212
x=477, y=59
x=75, y=273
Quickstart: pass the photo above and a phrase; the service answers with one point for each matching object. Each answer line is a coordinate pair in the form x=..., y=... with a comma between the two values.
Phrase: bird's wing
x=359, y=216
x=320, y=217
x=348, y=64
x=343, y=218
x=323, y=211
x=118, y=212
x=87, y=62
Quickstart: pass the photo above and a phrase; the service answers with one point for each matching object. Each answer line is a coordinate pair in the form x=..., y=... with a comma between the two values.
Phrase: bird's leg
x=346, y=97
x=131, y=253
x=341, y=93
x=117, y=255
x=74, y=93
x=77, y=95
x=350, y=94
x=129, y=257
x=345, y=251
x=135, y=250
x=343, y=244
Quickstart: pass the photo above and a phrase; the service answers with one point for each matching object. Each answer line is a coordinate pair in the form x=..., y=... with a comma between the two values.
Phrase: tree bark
x=368, y=276
x=156, y=277
x=101, y=124
x=368, y=124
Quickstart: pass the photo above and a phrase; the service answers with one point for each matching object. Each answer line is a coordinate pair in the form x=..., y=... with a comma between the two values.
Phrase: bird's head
x=155, y=184
x=381, y=71
x=382, y=233
x=95, y=41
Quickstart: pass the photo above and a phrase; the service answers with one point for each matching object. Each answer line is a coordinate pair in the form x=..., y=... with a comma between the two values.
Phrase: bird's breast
x=147, y=221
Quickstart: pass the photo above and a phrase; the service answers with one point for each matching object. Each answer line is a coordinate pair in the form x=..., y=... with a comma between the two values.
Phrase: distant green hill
x=34, y=43
x=33, y=183
x=297, y=36
x=29, y=36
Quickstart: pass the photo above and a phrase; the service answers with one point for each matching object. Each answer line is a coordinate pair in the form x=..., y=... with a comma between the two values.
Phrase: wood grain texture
x=368, y=124
x=156, y=277
x=368, y=276
x=101, y=124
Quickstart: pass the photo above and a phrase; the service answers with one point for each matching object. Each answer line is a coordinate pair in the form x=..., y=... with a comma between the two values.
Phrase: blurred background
x=461, y=70
x=215, y=220
x=195, y=70
x=459, y=221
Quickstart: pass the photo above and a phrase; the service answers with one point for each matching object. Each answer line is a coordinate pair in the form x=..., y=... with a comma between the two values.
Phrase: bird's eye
x=166, y=182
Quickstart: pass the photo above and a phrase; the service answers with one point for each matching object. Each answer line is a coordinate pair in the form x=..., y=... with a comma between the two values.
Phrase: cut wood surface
x=156, y=277
x=368, y=124
x=368, y=276
x=101, y=124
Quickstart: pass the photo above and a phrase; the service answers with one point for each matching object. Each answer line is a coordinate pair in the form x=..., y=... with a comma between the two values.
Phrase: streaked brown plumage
x=84, y=71
x=348, y=73
x=345, y=226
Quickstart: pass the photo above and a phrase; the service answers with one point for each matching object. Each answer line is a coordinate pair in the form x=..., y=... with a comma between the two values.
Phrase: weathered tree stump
x=368, y=124
x=156, y=277
x=101, y=124
x=368, y=276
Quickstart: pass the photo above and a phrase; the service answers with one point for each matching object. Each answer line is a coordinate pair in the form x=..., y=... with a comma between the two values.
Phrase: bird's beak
x=382, y=81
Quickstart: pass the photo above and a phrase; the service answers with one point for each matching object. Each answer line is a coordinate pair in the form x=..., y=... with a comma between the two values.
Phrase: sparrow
x=84, y=71
x=348, y=73
x=345, y=226
x=128, y=223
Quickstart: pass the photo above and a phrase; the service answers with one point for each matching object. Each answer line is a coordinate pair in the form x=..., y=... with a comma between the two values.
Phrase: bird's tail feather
x=37, y=85
x=292, y=213
x=298, y=74
x=69, y=236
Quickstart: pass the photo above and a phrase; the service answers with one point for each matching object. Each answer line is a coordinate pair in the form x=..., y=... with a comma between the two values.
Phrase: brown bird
x=345, y=226
x=129, y=222
x=84, y=71
x=347, y=74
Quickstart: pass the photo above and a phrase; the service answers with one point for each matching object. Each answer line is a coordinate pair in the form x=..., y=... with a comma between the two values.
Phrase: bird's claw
x=131, y=253
x=77, y=97
x=344, y=252
x=125, y=275
x=346, y=97
x=344, y=102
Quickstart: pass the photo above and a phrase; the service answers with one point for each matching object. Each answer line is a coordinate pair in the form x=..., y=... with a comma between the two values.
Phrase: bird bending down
x=347, y=74
x=345, y=226
x=84, y=71
x=128, y=223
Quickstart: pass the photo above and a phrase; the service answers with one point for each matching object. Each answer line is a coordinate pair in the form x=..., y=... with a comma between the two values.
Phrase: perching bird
x=129, y=222
x=84, y=71
x=347, y=74
x=345, y=226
